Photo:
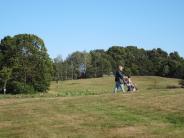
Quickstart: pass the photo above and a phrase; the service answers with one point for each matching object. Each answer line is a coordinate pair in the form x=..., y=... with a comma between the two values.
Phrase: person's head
x=120, y=68
x=129, y=76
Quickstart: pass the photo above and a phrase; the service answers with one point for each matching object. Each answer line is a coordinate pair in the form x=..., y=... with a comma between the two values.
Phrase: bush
x=41, y=87
x=182, y=83
x=19, y=88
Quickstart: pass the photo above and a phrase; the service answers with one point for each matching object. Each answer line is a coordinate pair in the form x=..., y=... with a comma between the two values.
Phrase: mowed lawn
x=87, y=109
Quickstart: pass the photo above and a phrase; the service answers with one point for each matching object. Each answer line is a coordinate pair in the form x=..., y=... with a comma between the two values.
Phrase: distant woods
x=25, y=66
x=98, y=63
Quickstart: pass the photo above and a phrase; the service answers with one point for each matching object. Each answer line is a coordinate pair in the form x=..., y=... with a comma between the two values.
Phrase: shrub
x=19, y=88
x=182, y=83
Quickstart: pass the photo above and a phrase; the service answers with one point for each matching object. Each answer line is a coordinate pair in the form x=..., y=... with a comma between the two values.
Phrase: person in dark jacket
x=119, y=80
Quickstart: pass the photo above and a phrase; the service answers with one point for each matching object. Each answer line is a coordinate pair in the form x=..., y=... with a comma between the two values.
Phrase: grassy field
x=87, y=109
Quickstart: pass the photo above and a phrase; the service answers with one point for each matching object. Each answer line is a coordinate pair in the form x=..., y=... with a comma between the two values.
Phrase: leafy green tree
x=5, y=74
x=165, y=70
x=97, y=63
x=78, y=64
x=31, y=66
x=100, y=63
x=175, y=56
x=59, y=68
x=137, y=61
x=180, y=71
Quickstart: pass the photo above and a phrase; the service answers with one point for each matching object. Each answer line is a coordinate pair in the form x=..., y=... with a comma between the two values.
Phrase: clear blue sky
x=70, y=25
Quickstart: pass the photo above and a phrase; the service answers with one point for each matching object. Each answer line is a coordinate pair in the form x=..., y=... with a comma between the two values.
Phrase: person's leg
x=115, y=88
x=118, y=86
x=122, y=87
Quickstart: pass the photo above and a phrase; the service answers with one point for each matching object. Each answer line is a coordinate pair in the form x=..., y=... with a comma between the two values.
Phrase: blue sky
x=70, y=25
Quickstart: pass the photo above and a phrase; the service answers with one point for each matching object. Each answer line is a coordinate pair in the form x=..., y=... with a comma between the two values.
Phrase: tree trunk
x=25, y=79
x=66, y=77
x=95, y=68
x=4, y=87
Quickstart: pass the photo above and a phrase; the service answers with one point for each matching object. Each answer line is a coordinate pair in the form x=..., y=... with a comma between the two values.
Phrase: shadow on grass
x=164, y=87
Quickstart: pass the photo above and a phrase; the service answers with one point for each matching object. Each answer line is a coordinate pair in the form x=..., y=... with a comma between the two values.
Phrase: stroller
x=131, y=86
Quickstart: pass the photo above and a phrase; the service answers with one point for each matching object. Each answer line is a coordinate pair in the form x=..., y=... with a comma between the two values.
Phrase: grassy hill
x=87, y=109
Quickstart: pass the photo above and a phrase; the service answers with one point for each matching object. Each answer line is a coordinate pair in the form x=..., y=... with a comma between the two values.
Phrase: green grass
x=87, y=109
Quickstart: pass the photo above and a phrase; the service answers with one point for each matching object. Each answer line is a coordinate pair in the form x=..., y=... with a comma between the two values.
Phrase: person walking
x=119, y=80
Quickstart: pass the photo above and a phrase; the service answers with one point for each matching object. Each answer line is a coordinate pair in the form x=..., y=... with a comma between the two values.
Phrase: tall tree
x=31, y=66
x=5, y=74
x=59, y=68
x=78, y=64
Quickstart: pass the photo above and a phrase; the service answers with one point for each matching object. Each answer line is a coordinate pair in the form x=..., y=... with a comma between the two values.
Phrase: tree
x=31, y=66
x=5, y=75
x=182, y=83
x=137, y=61
x=78, y=64
x=180, y=71
x=100, y=63
x=165, y=70
x=97, y=64
x=175, y=56
x=59, y=68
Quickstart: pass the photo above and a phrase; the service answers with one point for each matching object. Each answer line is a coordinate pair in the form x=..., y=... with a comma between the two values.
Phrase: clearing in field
x=87, y=109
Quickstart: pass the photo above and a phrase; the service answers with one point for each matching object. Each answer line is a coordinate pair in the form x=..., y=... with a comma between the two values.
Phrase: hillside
x=87, y=108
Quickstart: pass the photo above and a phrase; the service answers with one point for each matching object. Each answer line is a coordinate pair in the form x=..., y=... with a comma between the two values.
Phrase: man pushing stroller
x=121, y=80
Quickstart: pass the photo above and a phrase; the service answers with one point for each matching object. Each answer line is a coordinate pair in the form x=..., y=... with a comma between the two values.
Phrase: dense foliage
x=137, y=61
x=24, y=64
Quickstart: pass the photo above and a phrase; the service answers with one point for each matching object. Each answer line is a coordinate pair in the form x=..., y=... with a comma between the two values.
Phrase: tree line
x=25, y=66
x=137, y=61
